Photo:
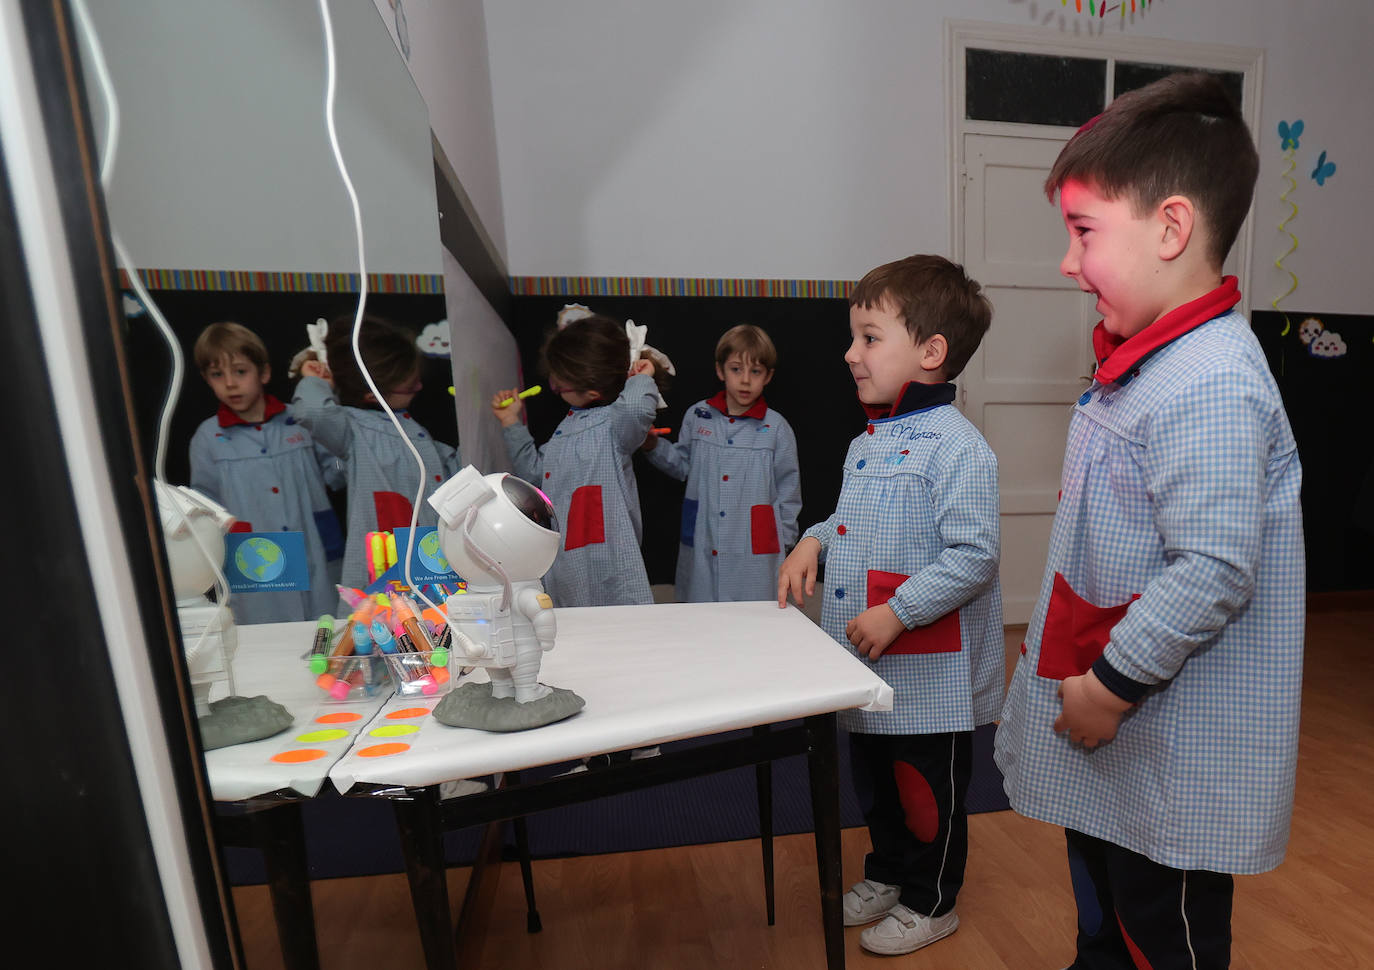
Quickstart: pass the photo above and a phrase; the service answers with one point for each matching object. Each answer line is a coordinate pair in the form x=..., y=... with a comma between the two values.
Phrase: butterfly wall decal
x=1288, y=134
x=1324, y=169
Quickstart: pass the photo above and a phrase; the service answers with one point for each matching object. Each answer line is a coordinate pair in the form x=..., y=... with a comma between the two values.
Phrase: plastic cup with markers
x=418, y=667
x=347, y=668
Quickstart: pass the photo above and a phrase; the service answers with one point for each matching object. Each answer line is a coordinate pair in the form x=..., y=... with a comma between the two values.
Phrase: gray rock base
x=472, y=706
x=238, y=720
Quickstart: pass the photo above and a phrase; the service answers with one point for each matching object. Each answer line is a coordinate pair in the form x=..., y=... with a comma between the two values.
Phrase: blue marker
x=381, y=632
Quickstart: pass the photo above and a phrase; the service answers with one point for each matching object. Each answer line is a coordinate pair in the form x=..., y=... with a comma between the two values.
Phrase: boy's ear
x=936, y=350
x=593, y=395
x=720, y=374
x=266, y=374
x=369, y=397
x=1178, y=220
x=768, y=376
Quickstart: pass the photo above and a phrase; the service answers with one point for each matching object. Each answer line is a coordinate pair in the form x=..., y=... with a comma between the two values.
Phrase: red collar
x=756, y=410
x=271, y=408
x=1116, y=356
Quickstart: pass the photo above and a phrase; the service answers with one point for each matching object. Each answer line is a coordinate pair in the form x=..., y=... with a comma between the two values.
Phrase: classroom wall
x=807, y=140
x=223, y=159
x=444, y=43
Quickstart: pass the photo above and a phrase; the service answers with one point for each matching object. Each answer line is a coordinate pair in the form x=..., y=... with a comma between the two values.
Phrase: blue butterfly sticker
x=1288, y=134
x=1324, y=169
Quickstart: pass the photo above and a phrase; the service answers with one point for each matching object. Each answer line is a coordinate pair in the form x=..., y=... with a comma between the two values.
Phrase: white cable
x=330, y=79
x=107, y=160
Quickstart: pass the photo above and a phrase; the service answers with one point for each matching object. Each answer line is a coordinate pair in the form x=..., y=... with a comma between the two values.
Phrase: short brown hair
x=932, y=295
x=593, y=354
x=750, y=342
x=389, y=350
x=220, y=341
x=1181, y=135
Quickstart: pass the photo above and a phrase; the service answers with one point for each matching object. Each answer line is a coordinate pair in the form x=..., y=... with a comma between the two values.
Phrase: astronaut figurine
x=499, y=533
x=193, y=527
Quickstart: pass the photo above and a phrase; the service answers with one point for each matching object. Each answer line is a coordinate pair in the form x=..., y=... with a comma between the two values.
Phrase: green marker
x=527, y=392
x=319, y=650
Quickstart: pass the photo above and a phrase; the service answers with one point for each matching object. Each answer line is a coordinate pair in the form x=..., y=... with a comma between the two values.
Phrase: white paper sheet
x=269, y=661
x=649, y=674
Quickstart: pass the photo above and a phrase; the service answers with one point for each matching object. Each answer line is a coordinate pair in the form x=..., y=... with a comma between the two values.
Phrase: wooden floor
x=702, y=906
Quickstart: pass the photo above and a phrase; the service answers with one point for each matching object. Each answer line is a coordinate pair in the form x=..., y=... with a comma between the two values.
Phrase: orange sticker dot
x=298, y=756
x=409, y=712
x=343, y=717
x=382, y=750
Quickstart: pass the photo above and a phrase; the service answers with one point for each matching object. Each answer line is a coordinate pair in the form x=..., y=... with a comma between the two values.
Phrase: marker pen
x=343, y=649
x=319, y=649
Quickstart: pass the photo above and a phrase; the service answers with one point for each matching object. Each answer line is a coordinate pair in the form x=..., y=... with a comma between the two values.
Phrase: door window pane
x=1037, y=89
x=1130, y=75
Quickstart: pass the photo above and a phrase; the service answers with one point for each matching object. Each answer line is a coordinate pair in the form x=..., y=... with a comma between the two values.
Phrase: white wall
x=445, y=45
x=223, y=159
x=805, y=138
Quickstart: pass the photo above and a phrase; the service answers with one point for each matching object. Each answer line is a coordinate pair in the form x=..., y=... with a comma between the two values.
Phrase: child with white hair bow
x=613, y=385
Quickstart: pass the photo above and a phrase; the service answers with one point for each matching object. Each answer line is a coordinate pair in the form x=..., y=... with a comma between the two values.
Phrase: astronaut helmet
x=515, y=527
x=193, y=528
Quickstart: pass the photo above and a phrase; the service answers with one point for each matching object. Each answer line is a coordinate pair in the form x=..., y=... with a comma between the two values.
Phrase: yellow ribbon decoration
x=1283, y=228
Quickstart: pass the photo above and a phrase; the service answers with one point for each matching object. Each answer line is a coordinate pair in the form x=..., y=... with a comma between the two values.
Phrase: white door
x=1020, y=386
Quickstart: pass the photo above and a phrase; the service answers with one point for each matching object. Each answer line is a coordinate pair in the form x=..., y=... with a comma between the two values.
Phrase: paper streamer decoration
x=1100, y=9
x=1288, y=135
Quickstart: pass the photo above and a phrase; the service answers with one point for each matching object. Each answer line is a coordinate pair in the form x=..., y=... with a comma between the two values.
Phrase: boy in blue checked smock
x=739, y=459
x=911, y=557
x=612, y=388
x=255, y=460
x=334, y=401
x=1154, y=710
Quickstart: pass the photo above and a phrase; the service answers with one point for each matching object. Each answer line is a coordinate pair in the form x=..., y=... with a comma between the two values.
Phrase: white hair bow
x=639, y=343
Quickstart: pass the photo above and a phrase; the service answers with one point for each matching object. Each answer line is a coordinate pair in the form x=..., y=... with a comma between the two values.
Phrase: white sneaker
x=868, y=900
x=903, y=930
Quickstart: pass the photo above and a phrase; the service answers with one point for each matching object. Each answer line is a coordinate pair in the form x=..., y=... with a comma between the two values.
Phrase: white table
x=649, y=674
x=259, y=786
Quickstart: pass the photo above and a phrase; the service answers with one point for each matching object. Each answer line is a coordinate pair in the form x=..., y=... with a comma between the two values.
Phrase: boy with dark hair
x=739, y=459
x=911, y=557
x=1154, y=709
x=262, y=466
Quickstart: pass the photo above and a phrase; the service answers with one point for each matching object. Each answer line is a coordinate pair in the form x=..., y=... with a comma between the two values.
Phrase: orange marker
x=343, y=649
x=660, y=430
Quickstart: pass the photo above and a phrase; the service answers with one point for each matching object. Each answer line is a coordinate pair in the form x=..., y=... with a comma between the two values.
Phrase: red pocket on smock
x=586, y=520
x=763, y=530
x=393, y=511
x=942, y=636
x=1076, y=632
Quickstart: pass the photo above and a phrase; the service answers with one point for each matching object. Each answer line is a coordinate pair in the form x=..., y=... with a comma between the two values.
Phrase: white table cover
x=269, y=661
x=649, y=674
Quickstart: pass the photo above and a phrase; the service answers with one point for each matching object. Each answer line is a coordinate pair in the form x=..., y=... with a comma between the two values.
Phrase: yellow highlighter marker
x=527, y=392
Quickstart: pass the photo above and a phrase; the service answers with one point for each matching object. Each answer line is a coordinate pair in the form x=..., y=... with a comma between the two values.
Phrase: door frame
x=963, y=34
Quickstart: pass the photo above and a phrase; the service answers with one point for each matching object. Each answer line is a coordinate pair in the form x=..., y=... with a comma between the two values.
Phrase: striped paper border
x=276, y=282
x=676, y=286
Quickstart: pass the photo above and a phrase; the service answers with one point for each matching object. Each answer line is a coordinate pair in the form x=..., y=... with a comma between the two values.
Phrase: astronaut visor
x=529, y=500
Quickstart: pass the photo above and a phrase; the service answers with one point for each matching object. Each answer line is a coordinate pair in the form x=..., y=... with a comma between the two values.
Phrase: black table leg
x=280, y=834
x=763, y=777
x=522, y=850
x=825, y=806
x=422, y=841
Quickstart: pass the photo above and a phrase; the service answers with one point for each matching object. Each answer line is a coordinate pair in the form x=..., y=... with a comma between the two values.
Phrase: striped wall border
x=250, y=281
x=677, y=286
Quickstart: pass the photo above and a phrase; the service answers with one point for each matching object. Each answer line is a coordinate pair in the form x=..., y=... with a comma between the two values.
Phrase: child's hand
x=1091, y=712
x=507, y=414
x=317, y=368
x=873, y=630
x=650, y=441
x=798, y=572
x=642, y=366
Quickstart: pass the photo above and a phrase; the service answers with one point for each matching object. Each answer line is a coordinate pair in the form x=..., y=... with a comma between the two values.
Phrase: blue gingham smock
x=586, y=471
x=381, y=471
x=919, y=500
x=739, y=514
x=271, y=476
x=1181, y=488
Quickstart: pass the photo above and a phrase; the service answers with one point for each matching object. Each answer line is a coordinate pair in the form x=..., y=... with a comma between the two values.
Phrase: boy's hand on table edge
x=797, y=574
